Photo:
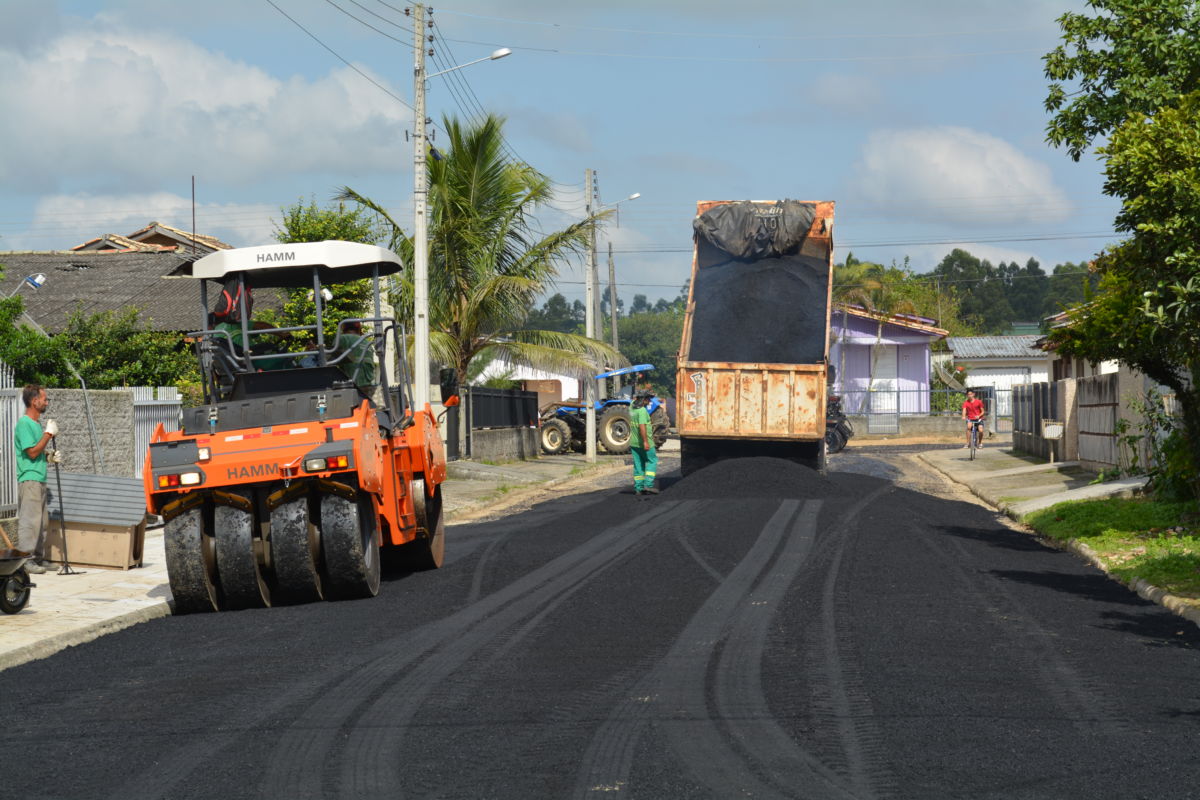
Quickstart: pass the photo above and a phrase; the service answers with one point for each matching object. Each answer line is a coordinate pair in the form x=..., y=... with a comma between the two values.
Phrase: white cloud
x=126, y=110
x=952, y=174
x=61, y=221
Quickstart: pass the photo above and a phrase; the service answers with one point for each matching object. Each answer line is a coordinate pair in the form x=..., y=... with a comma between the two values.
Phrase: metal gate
x=10, y=412
x=150, y=407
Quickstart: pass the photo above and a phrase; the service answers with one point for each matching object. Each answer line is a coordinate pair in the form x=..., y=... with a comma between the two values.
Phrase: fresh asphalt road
x=754, y=631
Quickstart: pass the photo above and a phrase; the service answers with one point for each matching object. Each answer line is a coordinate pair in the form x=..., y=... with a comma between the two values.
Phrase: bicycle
x=976, y=437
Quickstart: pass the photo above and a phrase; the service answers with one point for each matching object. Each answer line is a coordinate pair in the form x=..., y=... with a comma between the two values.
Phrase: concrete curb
x=1147, y=591
x=49, y=647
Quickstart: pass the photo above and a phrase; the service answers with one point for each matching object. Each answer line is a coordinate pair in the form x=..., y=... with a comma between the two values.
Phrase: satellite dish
x=948, y=377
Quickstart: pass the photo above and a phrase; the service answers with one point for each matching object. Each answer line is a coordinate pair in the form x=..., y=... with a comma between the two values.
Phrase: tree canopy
x=488, y=258
x=1130, y=57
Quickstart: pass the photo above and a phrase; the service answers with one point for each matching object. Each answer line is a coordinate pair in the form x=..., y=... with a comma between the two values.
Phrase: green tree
x=114, y=348
x=556, y=314
x=653, y=338
x=1137, y=71
x=1067, y=286
x=311, y=223
x=488, y=259
x=33, y=357
x=1132, y=56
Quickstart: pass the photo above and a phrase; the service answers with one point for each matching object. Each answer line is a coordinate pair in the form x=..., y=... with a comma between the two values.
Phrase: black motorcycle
x=838, y=429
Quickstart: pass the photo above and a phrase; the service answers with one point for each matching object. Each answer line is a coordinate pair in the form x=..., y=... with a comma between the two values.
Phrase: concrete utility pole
x=589, y=324
x=420, y=200
x=420, y=218
x=612, y=308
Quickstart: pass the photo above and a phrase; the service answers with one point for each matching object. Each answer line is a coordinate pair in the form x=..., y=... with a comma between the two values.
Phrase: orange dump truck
x=754, y=354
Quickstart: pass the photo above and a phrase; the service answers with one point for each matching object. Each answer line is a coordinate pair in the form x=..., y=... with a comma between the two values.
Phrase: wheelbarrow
x=14, y=581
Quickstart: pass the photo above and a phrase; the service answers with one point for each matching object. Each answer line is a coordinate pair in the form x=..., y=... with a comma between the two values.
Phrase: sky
x=922, y=120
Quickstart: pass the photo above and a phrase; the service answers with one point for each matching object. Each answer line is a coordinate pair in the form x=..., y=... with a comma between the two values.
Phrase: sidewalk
x=66, y=610
x=1018, y=484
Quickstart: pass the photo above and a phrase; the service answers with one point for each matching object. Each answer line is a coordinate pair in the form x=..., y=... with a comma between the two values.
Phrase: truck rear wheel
x=613, y=430
x=348, y=537
x=191, y=555
x=556, y=437
x=428, y=550
x=295, y=553
x=240, y=557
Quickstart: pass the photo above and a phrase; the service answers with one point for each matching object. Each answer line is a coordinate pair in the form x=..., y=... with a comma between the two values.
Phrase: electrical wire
x=755, y=37
x=336, y=55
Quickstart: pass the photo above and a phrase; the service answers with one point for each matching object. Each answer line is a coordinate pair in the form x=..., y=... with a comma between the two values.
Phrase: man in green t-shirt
x=30, y=442
x=641, y=444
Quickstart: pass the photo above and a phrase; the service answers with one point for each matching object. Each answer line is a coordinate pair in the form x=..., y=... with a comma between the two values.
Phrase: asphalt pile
x=754, y=477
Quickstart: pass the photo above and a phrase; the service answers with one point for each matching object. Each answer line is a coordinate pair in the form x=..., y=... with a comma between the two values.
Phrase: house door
x=884, y=383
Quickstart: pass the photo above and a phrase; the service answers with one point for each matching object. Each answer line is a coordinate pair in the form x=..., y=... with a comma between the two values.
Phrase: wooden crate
x=92, y=545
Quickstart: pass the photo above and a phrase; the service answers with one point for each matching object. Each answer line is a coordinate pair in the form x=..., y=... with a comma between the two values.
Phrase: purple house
x=881, y=363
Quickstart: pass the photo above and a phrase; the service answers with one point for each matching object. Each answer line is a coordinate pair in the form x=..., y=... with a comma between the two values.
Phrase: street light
x=421, y=221
x=37, y=281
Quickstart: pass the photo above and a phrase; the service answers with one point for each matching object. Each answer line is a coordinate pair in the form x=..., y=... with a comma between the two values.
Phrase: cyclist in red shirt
x=973, y=413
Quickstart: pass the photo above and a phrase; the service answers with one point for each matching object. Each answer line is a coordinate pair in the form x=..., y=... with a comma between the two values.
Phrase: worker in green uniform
x=641, y=444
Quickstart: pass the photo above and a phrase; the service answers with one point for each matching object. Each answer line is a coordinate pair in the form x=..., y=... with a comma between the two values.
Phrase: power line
x=369, y=25
x=336, y=55
x=755, y=37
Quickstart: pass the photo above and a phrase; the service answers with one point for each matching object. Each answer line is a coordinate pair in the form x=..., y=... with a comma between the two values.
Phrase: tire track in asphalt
x=608, y=761
x=1036, y=649
x=364, y=716
x=171, y=771
x=851, y=707
x=733, y=625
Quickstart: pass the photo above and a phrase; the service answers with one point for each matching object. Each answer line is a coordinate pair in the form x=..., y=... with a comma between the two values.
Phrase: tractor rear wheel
x=613, y=430
x=351, y=545
x=295, y=553
x=240, y=557
x=191, y=555
x=556, y=437
x=428, y=550
x=660, y=423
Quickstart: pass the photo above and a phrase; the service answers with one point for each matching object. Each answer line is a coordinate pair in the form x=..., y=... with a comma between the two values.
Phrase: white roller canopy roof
x=291, y=264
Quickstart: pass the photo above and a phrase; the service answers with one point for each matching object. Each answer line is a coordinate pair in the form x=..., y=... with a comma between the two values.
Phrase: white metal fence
x=150, y=407
x=10, y=412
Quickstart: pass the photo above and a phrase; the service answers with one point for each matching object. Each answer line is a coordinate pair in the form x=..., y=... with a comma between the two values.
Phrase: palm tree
x=488, y=260
x=872, y=290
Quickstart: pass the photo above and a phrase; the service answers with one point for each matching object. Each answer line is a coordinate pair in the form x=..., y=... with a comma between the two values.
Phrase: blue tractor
x=564, y=425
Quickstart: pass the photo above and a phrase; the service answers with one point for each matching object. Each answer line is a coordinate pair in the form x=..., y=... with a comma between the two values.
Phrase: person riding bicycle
x=973, y=413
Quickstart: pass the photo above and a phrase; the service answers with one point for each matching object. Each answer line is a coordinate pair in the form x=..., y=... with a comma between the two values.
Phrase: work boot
x=650, y=490
x=34, y=568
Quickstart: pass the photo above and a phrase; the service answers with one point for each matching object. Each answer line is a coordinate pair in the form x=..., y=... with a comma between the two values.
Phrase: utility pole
x=612, y=308
x=420, y=218
x=589, y=324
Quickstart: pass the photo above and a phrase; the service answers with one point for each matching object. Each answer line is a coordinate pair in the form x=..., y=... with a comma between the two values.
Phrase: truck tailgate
x=751, y=401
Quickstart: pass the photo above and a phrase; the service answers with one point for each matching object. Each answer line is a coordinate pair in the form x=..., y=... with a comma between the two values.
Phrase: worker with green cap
x=641, y=444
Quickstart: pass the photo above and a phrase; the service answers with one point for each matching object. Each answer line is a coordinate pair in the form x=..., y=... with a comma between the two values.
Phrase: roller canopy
x=290, y=265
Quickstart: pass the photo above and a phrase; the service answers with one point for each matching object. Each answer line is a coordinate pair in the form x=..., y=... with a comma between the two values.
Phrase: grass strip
x=1135, y=538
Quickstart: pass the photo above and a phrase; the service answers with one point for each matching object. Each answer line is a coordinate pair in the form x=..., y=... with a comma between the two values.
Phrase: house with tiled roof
x=113, y=273
x=995, y=364
x=156, y=237
x=881, y=363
